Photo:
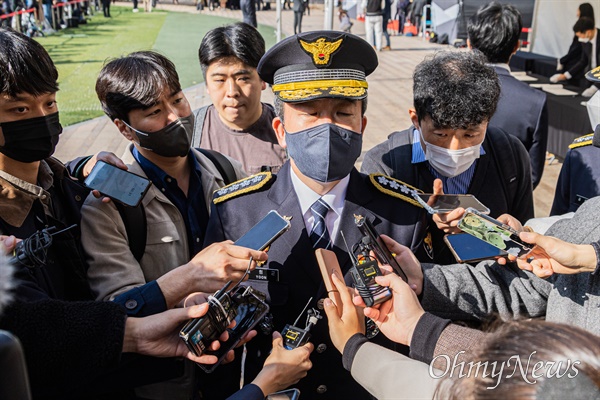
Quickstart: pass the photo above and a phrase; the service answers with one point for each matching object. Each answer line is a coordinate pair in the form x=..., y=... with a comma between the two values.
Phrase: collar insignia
x=321, y=50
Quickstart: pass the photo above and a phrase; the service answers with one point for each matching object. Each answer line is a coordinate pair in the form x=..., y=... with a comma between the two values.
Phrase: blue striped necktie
x=319, y=236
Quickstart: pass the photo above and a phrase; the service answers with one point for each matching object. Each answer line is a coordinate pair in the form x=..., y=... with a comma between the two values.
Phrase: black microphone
x=596, y=138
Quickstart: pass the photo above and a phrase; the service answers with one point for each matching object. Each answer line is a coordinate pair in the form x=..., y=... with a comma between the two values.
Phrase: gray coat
x=463, y=292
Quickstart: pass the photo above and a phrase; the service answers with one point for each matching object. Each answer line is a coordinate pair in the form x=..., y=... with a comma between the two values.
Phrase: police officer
x=320, y=87
x=579, y=178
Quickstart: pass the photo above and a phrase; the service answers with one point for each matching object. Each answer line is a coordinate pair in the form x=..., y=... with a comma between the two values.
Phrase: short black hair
x=456, y=89
x=135, y=82
x=495, y=30
x=586, y=10
x=238, y=40
x=25, y=66
x=583, y=24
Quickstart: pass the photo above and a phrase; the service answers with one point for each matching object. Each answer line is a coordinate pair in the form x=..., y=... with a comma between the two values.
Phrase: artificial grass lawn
x=80, y=53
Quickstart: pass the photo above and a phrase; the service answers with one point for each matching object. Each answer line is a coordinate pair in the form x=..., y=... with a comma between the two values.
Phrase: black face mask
x=32, y=139
x=174, y=140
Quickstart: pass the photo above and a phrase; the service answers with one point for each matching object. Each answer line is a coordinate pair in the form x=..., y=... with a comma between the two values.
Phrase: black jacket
x=522, y=112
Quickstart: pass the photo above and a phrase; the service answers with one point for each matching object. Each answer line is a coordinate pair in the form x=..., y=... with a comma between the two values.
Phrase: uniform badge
x=243, y=186
x=582, y=141
x=395, y=188
x=321, y=50
x=428, y=245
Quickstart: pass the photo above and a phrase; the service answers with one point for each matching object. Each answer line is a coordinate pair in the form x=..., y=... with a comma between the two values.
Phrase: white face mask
x=584, y=40
x=450, y=163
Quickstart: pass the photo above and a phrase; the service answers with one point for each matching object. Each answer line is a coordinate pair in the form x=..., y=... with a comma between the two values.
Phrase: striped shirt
x=455, y=185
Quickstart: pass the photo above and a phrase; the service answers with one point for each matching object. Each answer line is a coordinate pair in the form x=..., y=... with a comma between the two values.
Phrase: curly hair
x=456, y=89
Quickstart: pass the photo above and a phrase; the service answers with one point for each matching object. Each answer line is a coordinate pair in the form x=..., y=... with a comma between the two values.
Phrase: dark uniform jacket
x=579, y=178
x=501, y=181
x=585, y=61
x=522, y=112
x=299, y=276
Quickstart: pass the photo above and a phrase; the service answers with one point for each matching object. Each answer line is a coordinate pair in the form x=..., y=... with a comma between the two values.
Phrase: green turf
x=180, y=38
x=80, y=53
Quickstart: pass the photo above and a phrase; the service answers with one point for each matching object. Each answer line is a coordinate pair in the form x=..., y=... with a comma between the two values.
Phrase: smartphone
x=249, y=307
x=328, y=264
x=261, y=235
x=468, y=249
x=120, y=185
x=443, y=203
x=289, y=394
x=493, y=232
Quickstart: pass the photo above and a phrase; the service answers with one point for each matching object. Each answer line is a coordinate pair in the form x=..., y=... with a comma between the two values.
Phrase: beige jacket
x=112, y=267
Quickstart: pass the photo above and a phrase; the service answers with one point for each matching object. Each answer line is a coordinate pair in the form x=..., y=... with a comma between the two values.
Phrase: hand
x=511, y=221
x=9, y=243
x=283, y=367
x=398, y=316
x=552, y=255
x=589, y=92
x=219, y=263
x=341, y=329
x=446, y=222
x=407, y=260
x=557, y=78
x=158, y=335
x=107, y=157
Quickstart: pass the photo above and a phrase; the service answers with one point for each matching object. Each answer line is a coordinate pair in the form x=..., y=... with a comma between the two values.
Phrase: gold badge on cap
x=321, y=50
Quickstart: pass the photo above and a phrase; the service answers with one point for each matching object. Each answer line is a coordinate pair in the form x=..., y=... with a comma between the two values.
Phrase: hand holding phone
x=328, y=263
x=120, y=185
x=493, y=232
x=261, y=235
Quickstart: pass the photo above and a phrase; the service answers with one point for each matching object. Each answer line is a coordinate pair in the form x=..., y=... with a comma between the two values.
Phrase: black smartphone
x=493, y=232
x=469, y=249
x=261, y=235
x=122, y=186
x=250, y=306
x=443, y=203
x=289, y=394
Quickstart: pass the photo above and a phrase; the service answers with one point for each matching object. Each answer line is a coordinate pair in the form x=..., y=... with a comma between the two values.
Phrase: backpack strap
x=134, y=219
x=222, y=164
x=199, y=117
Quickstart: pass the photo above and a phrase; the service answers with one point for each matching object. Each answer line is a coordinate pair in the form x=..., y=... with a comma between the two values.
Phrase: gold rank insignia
x=581, y=141
x=321, y=50
x=243, y=186
x=395, y=188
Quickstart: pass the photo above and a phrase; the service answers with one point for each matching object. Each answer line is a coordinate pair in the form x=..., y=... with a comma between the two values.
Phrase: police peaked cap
x=318, y=64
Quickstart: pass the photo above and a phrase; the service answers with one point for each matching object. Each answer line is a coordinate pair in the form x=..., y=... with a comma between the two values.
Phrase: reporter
x=556, y=348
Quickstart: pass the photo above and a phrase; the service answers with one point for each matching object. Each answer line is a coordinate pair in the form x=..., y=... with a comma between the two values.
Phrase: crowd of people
x=98, y=308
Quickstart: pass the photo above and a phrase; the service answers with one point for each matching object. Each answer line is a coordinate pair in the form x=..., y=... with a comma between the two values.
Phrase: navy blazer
x=522, y=112
x=579, y=179
x=299, y=275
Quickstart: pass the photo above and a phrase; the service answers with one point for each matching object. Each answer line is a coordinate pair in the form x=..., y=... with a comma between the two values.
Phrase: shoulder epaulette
x=395, y=188
x=243, y=186
x=582, y=141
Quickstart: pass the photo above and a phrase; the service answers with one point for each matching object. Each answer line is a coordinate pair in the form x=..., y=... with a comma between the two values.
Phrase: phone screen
x=447, y=202
x=467, y=248
x=120, y=185
x=264, y=232
x=249, y=311
x=493, y=232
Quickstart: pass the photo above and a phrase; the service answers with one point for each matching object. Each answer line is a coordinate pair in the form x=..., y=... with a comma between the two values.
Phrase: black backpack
x=134, y=218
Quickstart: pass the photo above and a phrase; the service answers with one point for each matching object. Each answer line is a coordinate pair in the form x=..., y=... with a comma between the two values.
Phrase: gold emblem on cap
x=321, y=50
